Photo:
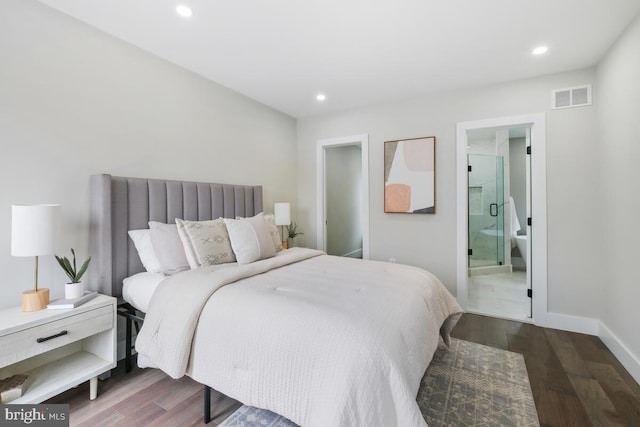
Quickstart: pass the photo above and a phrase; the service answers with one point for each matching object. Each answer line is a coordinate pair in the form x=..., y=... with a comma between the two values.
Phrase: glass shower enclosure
x=486, y=210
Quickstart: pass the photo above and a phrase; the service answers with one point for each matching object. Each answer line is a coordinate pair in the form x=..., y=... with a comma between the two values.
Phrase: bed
x=318, y=339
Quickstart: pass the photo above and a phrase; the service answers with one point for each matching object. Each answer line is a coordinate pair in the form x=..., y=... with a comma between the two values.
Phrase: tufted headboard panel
x=120, y=204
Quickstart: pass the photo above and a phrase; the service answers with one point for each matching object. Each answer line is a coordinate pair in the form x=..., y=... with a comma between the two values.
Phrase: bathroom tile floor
x=502, y=295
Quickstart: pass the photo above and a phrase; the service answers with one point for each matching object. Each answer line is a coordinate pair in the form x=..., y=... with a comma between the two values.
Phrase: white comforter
x=322, y=340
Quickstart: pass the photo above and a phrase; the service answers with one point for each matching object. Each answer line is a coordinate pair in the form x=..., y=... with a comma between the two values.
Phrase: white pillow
x=250, y=239
x=186, y=244
x=205, y=242
x=142, y=241
x=273, y=230
x=168, y=247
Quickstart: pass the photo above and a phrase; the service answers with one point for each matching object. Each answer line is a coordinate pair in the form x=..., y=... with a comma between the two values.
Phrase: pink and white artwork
x=409, y=175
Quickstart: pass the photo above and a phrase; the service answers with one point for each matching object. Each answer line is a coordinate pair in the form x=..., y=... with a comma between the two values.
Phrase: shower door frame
x=537, y=233
x=499, y=204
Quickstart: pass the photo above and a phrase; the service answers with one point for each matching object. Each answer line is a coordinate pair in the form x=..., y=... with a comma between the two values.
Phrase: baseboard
x=354, y=254
x=630, y=361
x=567, y=322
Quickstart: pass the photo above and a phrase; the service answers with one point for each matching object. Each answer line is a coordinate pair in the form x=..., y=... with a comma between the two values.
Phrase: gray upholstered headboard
x=121, y=204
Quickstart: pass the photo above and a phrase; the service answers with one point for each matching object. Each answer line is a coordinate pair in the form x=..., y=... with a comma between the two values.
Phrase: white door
x=528, y=259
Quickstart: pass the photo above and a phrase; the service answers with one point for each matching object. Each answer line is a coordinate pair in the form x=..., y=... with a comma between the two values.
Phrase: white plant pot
x=73, y=290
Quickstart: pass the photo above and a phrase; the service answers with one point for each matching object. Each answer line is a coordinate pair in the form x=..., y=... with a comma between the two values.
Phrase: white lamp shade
x=282, y=213
x=34, y=229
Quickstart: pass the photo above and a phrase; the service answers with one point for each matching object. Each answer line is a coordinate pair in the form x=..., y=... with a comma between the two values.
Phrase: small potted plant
x=75, y=288
x=292, y=231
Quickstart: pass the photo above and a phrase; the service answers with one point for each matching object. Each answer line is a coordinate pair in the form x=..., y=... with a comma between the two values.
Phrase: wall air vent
x=578, y=96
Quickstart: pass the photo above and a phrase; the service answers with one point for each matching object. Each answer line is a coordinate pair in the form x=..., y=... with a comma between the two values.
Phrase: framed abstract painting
x=410, y=175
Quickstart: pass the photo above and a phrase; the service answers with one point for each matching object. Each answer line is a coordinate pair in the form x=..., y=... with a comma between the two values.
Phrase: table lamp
x=282, y=214
x=34, y=232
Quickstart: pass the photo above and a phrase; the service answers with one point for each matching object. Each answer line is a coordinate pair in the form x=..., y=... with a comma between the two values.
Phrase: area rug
x=466, y=384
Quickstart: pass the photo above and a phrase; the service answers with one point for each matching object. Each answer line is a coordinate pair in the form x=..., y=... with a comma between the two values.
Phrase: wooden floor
x=144, y=397
x=575, y=380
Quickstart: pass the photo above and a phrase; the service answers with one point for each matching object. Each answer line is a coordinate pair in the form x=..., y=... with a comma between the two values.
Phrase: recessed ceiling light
x=184, y=10
x=540, y=50
x=321, y=97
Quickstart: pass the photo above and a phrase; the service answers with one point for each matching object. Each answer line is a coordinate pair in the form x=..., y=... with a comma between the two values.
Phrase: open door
x=528, y=258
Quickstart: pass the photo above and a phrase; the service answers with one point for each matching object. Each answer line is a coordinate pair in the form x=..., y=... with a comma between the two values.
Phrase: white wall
x=429, y=240
x=618, y=98
x=75, y=101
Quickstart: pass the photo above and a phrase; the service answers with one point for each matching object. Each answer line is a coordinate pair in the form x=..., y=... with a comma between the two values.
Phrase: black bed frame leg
x=207, y=404
x=131, y=319
x=127, y=359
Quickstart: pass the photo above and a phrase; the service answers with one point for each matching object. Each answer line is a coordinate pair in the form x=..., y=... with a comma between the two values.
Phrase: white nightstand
x=58, y=349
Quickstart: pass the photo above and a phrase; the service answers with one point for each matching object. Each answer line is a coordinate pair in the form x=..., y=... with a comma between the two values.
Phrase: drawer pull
x=59, y=334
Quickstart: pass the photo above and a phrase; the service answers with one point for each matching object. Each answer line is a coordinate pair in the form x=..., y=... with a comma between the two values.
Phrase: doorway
x=501, y=192
x=343, y=201
x=497, y=163
x=343, y=196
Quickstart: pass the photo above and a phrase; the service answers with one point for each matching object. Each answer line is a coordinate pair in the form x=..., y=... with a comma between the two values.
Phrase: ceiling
x=361, y=52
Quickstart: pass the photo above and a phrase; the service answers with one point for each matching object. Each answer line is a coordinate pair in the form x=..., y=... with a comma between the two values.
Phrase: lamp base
x=33, y=300
x=285, y=244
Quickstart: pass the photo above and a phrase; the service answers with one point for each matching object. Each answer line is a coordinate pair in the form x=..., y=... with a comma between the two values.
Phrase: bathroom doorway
x=502, y=258
x=497, y=175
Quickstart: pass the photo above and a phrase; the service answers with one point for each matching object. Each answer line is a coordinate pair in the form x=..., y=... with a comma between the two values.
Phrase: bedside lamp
x=282, y=214
x=34, y=232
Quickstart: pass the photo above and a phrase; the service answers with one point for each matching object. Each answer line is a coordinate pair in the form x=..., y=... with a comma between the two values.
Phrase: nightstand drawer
x=30, y=342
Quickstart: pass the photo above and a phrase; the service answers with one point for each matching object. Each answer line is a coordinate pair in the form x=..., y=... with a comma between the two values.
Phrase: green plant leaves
x=83, y=269
x=70, y=270
x=292, y=230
